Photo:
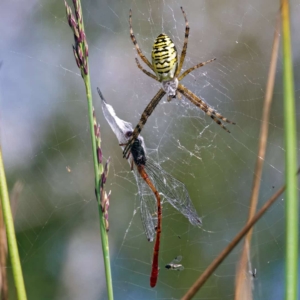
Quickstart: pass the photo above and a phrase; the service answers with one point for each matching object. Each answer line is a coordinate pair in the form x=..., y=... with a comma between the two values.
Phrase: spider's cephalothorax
x=167, y=71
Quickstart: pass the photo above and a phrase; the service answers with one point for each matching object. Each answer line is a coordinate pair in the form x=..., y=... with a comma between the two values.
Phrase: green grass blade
x=291, y=161
x=80, y=50
x=11, y=235
x=104, y=235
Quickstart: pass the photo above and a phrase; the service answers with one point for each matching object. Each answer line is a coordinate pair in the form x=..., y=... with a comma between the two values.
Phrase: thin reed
x=80, y=51
x=290, y=132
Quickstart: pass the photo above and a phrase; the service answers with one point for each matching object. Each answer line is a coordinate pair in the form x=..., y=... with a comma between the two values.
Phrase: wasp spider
x=166, y=68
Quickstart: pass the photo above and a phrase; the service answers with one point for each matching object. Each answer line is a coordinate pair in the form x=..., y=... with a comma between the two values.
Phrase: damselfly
x=152, y=181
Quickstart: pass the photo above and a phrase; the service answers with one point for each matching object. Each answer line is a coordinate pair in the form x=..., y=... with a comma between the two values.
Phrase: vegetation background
x=45, y=139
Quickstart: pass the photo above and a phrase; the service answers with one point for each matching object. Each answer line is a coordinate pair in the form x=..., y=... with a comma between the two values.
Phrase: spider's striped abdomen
x=164, y=58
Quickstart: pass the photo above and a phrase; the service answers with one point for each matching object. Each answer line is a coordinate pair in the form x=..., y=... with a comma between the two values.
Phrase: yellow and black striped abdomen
x=164, y=58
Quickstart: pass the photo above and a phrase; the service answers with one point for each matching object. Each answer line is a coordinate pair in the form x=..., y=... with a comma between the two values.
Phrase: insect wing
x=148, y=207
x=118, y=126
x=173, y=190
x=177, y=259
x=148, y=201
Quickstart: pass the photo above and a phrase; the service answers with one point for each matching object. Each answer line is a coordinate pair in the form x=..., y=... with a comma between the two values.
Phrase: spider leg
x=145, y=115
x=128, y=152
x=194, y=68
x=145, y=71
x=185, y=44
x=204, y=106
x=138, y=49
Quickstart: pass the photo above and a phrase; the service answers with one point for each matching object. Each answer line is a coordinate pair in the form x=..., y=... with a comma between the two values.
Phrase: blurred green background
x=45, y=134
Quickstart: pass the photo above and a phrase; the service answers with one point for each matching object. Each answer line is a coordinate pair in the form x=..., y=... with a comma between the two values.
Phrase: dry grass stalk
x=243, y=281
x=219, y=259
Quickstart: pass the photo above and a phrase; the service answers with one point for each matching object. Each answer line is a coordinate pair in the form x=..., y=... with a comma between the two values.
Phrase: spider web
x=46, y=143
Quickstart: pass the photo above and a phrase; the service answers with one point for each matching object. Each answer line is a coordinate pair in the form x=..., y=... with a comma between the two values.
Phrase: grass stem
x=225, y=252
x=11, y=235
x=98, y=169
x=291, y=195
x=243, y=284
x=80, y=50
